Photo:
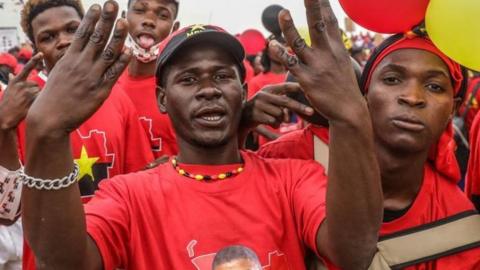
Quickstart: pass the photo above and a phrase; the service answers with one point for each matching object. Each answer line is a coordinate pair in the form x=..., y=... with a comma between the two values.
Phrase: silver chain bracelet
x=51, y=184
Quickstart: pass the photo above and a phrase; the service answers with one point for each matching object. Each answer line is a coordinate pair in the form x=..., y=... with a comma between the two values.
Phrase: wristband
x=51, y=184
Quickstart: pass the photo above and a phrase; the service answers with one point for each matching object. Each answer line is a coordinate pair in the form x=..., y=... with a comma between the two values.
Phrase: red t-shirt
x=110, y=143
x=472, y=183
x=160, y=220
x=438, y=198
x=263, y=79
x=288, y=145
x=157, y=125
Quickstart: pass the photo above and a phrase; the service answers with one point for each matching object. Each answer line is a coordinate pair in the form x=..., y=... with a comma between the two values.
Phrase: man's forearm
x=54, y=221
x=9, y=150
x=354, y=196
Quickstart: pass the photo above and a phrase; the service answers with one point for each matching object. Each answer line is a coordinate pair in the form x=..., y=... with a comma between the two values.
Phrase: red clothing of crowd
x=289, y=146
x=472, y=183
x=159, y=219
x=262, y=80
x=472, y=101
x=158, y=127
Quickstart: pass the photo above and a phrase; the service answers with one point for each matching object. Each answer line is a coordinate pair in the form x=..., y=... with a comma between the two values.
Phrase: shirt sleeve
x=138, y=152
x=107, y=216
x=308, y=196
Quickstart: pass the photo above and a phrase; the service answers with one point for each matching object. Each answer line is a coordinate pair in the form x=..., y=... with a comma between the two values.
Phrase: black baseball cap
x=196, y=34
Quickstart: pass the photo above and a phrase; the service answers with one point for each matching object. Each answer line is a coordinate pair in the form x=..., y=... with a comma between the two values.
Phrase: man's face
x=239, y=264
x=203, y=96
x=150, y=21
x=53, y=32
x=411, y=100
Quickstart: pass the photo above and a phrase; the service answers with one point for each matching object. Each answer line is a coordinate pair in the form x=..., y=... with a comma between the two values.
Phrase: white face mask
x=143, y=55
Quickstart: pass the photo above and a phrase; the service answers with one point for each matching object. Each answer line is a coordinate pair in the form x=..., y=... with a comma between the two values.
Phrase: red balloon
x=386, y=16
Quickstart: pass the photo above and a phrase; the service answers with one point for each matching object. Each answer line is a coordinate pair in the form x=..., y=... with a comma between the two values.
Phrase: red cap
x=25, y=53
x=8, y=60
x=196, y=34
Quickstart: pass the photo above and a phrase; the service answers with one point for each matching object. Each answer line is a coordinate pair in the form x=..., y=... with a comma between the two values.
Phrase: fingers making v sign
x=324, y=69
x=82, y=80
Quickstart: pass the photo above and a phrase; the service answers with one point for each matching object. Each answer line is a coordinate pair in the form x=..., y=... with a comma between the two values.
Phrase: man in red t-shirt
x=212, y=195
x=433, y=195
x=149, y=22
x=112, y=140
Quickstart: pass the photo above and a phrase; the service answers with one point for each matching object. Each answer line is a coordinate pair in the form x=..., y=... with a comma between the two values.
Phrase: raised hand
x=323, y=70
x=271, y=106
x=82, y=80
x=18, y=96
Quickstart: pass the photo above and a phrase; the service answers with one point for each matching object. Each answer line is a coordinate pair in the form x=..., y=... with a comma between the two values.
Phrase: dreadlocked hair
x=32, y=8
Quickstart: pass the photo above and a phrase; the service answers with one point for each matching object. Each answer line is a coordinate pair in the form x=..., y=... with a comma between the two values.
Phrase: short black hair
x=232, y=253
x=33, y=8
x=170, y=2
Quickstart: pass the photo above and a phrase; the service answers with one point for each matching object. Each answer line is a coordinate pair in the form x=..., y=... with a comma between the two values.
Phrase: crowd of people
x=136, y=143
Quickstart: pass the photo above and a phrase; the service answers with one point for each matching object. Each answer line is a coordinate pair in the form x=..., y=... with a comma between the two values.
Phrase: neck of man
x=402, y=176
x=137, y=68
x=190, y=153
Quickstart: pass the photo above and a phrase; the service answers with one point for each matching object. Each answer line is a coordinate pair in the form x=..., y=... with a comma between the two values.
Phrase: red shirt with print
x=159, y=129
x=438, y=198
x=159, y=219
x=110, y=143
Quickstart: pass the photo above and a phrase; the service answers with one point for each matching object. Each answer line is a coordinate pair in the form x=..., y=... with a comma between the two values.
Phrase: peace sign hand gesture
x=18, y=96
x=323, y=70
x=82, y=80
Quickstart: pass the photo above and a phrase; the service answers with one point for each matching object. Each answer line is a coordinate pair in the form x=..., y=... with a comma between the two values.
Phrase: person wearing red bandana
x=212, y=195
x=413, y=90
x=150, y=22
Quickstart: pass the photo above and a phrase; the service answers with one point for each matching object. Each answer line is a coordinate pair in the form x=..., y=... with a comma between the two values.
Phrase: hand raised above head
x=82, y=80
x=19, y=96
x=324, y=69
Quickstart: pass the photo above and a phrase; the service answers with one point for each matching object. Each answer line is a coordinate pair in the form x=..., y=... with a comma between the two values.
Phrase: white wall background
x=233, y=15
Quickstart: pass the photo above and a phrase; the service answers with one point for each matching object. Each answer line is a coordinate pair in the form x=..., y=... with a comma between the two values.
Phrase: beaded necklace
x=200, y=177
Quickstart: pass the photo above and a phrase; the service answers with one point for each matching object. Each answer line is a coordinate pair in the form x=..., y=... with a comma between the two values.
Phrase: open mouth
x=211, y=117
x=145, y=41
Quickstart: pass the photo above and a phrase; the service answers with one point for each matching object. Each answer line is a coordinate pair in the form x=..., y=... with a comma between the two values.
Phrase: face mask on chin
x=143, y=55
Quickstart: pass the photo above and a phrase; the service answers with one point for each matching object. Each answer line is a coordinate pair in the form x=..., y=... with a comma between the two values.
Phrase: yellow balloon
x=454, y=28
x=303, y=31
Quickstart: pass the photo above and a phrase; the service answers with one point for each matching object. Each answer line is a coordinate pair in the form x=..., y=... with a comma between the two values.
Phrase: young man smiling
x=211, y=195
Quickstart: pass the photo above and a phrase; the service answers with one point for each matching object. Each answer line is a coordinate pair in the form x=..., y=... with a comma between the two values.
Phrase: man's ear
x=176, y=26
x=161, y=99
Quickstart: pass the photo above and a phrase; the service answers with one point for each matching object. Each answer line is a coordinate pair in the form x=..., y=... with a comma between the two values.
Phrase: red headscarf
x=442, y=154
